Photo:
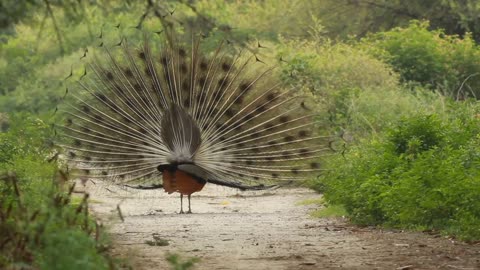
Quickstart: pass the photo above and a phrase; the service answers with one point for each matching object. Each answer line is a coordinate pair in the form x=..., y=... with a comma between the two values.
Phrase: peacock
x=168, y=112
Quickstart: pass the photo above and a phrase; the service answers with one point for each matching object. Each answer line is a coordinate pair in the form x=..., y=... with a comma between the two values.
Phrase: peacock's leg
x=181, y=204
x=189, y=208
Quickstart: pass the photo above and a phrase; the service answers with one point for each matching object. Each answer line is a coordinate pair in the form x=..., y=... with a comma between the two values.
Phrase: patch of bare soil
x=268, y=229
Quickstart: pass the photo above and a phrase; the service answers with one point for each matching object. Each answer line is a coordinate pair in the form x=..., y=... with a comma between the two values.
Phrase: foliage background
x=396, y=83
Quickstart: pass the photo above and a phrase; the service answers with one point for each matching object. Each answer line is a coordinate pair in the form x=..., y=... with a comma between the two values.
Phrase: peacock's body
x=176, y=115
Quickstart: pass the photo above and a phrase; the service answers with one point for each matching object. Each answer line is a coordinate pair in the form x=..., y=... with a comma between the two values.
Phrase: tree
x=358, y=17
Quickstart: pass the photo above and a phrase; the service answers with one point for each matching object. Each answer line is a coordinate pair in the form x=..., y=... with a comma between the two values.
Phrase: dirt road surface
x=269, y=229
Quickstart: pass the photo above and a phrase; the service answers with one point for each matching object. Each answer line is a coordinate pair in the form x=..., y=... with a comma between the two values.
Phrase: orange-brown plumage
x=181, y=182
x=175, y=180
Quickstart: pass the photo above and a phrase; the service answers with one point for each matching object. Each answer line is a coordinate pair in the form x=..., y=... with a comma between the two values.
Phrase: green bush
x=40, y=225
x=423, y=174
x=432, y=58
x=346, y=82
x=322, y=66
x=416, y=135
x=357, y=93
x=369, y=112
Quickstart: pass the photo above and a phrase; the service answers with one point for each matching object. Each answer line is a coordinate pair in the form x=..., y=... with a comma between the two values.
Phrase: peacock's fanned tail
x=162, y=104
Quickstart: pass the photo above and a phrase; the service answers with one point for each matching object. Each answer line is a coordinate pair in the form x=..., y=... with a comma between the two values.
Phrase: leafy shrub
x=369, y=112
x=343, y=79
x=416, y=135
x=423, y=173
x=358, y=94
x=431, y=58
x=40, y=226
x=323, y=66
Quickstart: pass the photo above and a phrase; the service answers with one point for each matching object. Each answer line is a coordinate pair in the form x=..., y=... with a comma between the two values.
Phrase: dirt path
x=264, y=230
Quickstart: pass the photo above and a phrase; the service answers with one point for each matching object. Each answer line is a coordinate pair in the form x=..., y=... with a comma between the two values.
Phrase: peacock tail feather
x=222, y=116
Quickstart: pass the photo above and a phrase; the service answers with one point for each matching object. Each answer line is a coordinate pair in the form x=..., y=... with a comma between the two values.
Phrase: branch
x=42, y=25
x=57, y=30
x=210, y=24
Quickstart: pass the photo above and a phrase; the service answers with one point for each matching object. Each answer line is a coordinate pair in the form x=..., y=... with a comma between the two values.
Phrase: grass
x=330, y=211
x=317, y=201
x=325, y=211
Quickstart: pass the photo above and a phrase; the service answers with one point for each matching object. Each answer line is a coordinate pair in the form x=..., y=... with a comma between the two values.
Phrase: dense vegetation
x=421, y=173
x=41, y=222
x=400, y=94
